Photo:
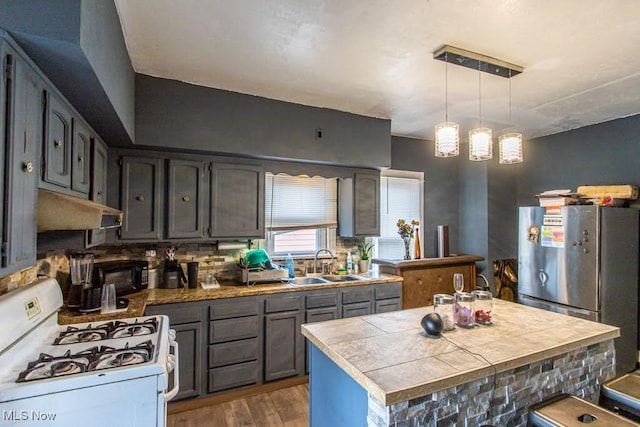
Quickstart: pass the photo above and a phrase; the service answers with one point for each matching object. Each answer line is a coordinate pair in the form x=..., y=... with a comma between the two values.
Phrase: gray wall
x=440, y=188
x=602, y=154
x=174, y=114
x=79, y=45
x=606, y=153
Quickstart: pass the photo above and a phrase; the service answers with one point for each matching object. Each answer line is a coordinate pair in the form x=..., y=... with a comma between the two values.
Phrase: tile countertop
x=389, y=355
x=139, y=301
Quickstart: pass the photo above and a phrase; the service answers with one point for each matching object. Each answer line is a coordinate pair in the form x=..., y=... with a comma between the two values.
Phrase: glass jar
x=463, y=310
x=443, y=305
x=483, y=307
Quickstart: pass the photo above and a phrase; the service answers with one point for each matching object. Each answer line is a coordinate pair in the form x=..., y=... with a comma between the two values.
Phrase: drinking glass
x=458, y=282
x=108, y=298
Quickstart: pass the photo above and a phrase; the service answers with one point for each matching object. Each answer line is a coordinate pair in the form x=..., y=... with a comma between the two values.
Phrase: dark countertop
x=139, y=301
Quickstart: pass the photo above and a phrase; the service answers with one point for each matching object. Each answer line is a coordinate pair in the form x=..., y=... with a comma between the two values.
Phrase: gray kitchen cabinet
x=234, y=350
x=22, y=100
x=356, y=301
x=205, y=198
x=56, y=165
x=80, y=157
x=388, y=297
x=188, y=336
x=237, y=201
x=186, y=320
x=359, y=205
x=98, y=191
x=283, y=341
x=321, y=305
x=185, y=218
x=237, y=342
x=141, y=198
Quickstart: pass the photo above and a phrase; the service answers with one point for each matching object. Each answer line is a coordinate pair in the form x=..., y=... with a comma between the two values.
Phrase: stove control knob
x=172, y=335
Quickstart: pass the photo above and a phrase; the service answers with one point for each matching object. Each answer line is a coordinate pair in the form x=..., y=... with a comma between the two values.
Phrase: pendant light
x=447, y=133
x=480, y=142
x=510, y=143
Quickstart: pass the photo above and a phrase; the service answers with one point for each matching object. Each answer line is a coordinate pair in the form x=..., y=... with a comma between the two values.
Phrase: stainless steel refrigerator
x=583, y=261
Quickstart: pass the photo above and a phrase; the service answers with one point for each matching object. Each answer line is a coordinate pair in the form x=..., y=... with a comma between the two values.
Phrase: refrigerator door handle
x=543, y=277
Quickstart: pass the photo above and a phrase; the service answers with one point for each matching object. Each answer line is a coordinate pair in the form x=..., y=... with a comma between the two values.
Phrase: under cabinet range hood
x=62, y=212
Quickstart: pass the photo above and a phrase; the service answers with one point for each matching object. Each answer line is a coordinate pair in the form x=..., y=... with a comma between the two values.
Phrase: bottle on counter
x=349, y=263
x=289, y=262
x=416, y=252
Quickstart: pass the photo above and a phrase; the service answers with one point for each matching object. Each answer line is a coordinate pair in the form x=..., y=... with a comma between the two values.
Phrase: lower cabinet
x=283, y=342
x=235, y=337
x=356, y=301
x=237, y=342
x=188, y=337
x=186, y=320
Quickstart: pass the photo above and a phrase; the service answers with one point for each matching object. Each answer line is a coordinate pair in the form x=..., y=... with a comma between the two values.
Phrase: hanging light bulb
x=447, y=133
x=480, y=139
x=511, y=143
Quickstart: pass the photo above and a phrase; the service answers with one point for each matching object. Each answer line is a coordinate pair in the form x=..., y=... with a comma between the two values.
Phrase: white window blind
x=298, y=202
x=399, y=198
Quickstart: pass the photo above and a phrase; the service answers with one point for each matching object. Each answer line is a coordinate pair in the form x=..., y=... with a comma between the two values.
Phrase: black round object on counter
x=432, y=324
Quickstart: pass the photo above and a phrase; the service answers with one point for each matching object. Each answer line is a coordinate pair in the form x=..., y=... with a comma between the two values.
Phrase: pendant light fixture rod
x=479, y=95
x=509, y=97
x=446, y=88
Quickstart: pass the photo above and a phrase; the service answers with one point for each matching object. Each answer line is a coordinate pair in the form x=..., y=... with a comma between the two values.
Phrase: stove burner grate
x=90, y=359
x=109, y=330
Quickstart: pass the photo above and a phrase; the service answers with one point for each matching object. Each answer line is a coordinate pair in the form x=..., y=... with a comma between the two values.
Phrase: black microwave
x=129, y=276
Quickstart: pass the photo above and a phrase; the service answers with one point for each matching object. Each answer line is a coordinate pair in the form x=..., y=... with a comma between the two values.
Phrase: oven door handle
x=174, y=359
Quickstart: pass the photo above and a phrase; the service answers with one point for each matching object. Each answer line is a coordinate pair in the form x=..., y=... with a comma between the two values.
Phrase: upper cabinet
x=56, y=165
x=237, y=201
x=205, y=198
x=66, y=153
x=98, y=190
x=359, y=205
x=141, y=196
x=80, y=157
x=21, y=106
x=186, y=199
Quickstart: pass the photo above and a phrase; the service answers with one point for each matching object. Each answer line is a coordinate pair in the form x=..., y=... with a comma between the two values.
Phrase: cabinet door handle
x=27, y=167
x=80, y=159
x=57, y=143
x=140, y=198
x=99, y=193
x=186, y=198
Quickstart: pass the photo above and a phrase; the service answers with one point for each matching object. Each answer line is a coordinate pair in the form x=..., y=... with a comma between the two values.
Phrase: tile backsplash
x=221, y=263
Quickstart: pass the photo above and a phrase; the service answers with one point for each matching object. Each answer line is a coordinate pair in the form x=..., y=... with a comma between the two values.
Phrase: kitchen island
x=382, y=370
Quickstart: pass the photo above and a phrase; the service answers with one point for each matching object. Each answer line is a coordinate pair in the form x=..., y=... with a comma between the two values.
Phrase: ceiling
x=581, y=58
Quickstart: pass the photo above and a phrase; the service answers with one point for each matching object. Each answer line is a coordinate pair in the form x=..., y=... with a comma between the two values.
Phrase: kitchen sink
x=343, y=278
x=301, y=281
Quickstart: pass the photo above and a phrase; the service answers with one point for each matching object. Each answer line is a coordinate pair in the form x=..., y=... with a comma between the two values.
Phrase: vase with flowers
x=405, y=230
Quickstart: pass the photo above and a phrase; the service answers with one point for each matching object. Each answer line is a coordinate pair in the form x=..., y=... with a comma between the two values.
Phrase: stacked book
x=553, y=198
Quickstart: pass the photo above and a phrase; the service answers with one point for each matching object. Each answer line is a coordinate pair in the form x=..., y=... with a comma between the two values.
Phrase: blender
x=82, y=295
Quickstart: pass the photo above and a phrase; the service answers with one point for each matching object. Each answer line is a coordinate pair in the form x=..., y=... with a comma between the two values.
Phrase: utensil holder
x=171, y=280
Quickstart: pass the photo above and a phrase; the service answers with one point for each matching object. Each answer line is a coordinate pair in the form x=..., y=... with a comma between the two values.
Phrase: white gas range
x=114, y=373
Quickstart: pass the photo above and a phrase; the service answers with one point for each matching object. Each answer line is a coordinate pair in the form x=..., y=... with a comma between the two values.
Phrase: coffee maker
x=83, y=295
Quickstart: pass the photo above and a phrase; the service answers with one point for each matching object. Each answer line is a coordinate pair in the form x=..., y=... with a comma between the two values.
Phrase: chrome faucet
x=315, y=260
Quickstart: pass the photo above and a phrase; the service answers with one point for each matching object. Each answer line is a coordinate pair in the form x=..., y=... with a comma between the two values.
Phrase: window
x=300, y=214
x=401, y=197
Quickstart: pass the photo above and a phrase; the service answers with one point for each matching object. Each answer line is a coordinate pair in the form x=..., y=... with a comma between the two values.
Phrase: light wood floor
x=285, y=407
